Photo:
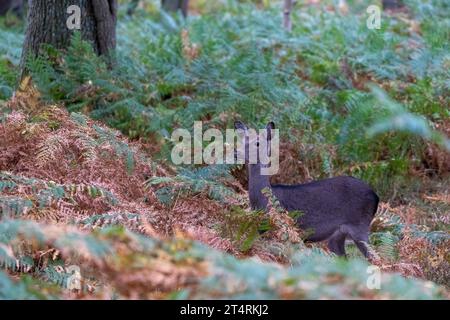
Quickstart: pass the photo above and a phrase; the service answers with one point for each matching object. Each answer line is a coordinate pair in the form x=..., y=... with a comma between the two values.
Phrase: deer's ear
x=238, y=125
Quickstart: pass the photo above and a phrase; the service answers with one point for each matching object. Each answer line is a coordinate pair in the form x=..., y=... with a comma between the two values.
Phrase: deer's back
x=329, y=203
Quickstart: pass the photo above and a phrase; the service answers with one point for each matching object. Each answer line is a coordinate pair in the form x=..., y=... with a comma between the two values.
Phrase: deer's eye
x=257, y=144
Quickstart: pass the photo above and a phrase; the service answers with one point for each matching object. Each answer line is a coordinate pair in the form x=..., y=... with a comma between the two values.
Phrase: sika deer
x=335, y=208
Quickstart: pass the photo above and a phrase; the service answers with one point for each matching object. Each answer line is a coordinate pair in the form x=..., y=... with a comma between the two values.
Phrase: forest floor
x=71, y=174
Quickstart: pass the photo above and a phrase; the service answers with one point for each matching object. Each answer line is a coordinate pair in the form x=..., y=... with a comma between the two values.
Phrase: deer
x=335, y=209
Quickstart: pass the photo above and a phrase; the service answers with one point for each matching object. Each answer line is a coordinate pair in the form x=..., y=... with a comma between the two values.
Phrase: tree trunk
x=47, y=24
x=175, y=5
x=287, y=10
x=392, y=4
x=15, y=6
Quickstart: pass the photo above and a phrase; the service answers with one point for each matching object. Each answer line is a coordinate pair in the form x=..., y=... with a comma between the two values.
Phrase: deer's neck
x=256, y=183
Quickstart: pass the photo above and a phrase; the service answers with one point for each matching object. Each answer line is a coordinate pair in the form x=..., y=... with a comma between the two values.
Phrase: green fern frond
x=386, y=245
x=191, y=181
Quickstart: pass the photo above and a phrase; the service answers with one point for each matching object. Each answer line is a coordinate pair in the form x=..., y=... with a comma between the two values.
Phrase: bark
x=47, y=25
x=175, y=5
x=287, y=10
x=105, y=13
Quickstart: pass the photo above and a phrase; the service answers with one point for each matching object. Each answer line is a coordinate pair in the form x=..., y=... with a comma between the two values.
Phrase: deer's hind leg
x=336, y=243
x=360, y=236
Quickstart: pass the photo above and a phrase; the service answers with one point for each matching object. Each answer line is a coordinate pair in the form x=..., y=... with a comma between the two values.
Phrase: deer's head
x=257, y=147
